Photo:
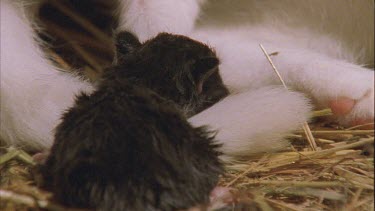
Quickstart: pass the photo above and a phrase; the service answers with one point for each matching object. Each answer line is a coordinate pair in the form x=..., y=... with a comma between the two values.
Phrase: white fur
x=319, y=43
x=255, y=121
x=146, y=18
x=33, y=92
x=324, y=78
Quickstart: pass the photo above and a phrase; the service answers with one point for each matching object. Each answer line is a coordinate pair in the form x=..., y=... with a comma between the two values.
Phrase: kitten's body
x=127, y=146
x=311, y=38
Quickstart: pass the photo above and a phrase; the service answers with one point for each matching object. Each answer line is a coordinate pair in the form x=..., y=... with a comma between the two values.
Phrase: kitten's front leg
x=147, y=18
x=255, y=121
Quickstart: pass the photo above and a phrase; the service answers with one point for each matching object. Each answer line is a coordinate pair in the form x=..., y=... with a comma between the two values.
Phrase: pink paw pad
x=343, y=106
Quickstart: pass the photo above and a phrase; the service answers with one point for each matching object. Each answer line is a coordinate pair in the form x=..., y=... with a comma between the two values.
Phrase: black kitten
x=128, y=146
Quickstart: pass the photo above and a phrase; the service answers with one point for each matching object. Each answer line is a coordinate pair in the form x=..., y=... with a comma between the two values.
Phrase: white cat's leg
x=146, y=18
x=33, y=92
x=329, y=81
x=325, y=79
x=255, y=121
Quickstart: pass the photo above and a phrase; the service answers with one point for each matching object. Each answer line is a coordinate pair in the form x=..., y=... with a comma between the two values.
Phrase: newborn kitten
x=127, y=146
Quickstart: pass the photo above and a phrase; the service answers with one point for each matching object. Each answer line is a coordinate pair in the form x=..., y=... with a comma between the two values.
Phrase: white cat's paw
x=255, y=121
x=350, y=112
x=354, y=104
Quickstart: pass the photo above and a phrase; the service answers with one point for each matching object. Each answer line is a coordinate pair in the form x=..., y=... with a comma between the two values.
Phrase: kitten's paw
x=41, y=157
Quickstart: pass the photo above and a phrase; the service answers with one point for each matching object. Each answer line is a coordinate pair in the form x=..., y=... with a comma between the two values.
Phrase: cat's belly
x=351, y=22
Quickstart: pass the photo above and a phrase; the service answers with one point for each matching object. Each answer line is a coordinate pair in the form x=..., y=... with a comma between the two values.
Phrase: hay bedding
x=339, y=175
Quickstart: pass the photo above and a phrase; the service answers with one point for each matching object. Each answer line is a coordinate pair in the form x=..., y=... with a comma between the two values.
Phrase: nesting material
x=340, y=176
x=305, y=126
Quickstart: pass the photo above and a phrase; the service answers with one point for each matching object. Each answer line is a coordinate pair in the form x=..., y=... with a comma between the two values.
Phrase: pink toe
x=341, y=106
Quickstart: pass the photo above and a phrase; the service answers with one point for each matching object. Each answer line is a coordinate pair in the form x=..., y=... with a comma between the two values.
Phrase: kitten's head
x=176, y=67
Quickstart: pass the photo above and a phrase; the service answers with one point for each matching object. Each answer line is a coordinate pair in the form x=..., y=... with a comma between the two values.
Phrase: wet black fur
x=128, y=145
x=172, y=66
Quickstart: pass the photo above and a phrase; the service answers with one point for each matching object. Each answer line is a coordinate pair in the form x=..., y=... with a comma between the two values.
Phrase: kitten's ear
x=126, y=43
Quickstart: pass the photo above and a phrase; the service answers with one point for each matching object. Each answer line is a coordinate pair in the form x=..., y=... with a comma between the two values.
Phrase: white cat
x=320, y=47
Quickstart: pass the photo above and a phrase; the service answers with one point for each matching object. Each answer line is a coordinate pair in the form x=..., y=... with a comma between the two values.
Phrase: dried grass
x=340, y=176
